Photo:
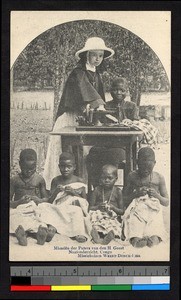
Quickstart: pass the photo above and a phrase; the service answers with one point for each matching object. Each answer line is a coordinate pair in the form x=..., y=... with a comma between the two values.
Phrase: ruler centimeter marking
x=97, y=271
x=89, y=278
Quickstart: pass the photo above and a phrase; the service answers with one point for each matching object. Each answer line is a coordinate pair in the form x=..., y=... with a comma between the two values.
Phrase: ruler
x=61, y=278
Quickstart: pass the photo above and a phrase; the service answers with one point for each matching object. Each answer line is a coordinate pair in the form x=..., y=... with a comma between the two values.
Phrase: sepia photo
x=90, y=119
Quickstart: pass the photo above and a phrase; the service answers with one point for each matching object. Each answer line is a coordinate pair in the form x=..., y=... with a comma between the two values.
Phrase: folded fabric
x=150, y=131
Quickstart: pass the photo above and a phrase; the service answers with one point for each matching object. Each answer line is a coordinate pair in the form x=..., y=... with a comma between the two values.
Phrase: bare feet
x=153, y=240
x=50, y=233
x=80, y=238
x=138, y=242
x=21, y=236
x=95, y=236
x=41, y=235
x=108, y=238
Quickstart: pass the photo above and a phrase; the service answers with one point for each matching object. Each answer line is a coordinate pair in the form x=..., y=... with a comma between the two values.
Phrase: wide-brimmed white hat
x=95, y=43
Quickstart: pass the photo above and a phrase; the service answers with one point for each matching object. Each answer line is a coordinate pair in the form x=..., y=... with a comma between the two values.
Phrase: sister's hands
x=101, y=108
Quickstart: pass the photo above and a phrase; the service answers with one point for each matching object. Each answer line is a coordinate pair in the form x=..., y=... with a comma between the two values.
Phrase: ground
x=29, y=128
x=46, y=252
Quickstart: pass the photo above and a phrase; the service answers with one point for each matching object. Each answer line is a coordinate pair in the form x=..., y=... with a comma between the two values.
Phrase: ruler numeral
x=99, y=271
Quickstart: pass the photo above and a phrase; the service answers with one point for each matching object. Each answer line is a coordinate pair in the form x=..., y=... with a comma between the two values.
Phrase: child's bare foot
x=80, y=238
x=95, y=236
x=153, y=240
x=50, y=233
x=138, y=242
x=108, y=238
x=41, y=235
x=21, y=236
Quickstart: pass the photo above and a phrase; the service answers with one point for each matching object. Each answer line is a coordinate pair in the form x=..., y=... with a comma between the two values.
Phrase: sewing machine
x=101, y=120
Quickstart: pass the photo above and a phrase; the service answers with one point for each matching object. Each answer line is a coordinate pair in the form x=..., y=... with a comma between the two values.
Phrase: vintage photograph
x=90, y=119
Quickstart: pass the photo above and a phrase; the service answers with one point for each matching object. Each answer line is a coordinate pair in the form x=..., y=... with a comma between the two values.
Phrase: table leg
x=134, y=151
x=78, y=153
x=128, y=167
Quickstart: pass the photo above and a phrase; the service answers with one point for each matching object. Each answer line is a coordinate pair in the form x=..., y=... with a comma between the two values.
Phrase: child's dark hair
x=28, y=154
x=112, y=167
x=66, y=156
x=118, y=80
x=146, y=153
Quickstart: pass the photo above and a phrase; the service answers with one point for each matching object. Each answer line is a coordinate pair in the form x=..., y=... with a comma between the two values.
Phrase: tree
x=49, y=58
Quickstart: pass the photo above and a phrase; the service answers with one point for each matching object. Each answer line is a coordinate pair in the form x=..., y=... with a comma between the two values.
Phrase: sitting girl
x=106, y=204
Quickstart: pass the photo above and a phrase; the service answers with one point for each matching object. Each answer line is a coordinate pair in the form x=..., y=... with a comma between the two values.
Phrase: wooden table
x=113, y=139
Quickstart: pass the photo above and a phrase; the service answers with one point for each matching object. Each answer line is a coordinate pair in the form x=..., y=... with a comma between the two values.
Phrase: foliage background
x=47, y=61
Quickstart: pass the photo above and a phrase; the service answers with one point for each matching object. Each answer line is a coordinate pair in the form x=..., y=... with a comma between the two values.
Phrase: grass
x=29, y=129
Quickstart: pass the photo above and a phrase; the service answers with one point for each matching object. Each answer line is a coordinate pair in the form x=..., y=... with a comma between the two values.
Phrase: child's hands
x=70, y=190
x=102, y=207
x=111, y=206
x=153, y=193
x=142, y=191
x=25, y=199
x=59, y=188
x=36, y=199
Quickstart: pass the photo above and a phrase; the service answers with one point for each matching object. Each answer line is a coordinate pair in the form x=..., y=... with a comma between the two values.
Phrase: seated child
x=106, y=204
x=67, y=209
x=145, y=194
x=125, y=109
x=99, y=156
x=28, y=189
x=127, y=114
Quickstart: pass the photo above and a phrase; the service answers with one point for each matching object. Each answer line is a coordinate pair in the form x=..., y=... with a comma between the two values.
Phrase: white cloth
x=105, y=221
x=144, y=217
x=25, y=215
x=69, y=219
x=90, y=68
x=51, y=168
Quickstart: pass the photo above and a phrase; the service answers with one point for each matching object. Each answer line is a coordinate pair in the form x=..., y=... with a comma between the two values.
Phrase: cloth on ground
x=68, y=214
x=144, y=217
x=25, y=215
x=105, y=221
x=69, y=217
